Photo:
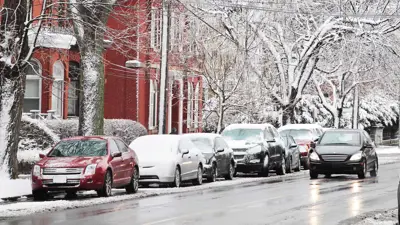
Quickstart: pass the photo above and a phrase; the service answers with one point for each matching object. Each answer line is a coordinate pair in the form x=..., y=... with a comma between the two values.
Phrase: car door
x=270, y=144
x=220, y=156
x=295, y=151
x=369, y=151
x=195, y=155
x=127, y=157
x=280, y=146
x=186, y=159
x=117, y=163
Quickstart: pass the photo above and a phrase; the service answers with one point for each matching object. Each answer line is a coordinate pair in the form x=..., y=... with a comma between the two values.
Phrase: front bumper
x=249, y=167
x=336, y=167
x=72, y=182
x=155, y=175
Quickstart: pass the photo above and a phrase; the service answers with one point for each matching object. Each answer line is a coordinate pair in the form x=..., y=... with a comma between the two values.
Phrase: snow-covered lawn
x=12, y=188
x=388, y=150
x=89, y=199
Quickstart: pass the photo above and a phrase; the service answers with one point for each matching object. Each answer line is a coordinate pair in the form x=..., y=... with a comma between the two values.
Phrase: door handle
x=189, y=157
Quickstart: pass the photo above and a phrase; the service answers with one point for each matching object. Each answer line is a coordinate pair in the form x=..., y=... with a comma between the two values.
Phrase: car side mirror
x=220, y=150
x=313, y=144
x=42, y=156
x=117, y=154
x=293, y=145
x=368, y=145
x=316, y=139
x=185, y=151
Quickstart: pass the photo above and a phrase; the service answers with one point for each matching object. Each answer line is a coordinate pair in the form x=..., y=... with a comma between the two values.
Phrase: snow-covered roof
x=299, y=126
x=248, y=126
x=48, y=39
x=203, y=135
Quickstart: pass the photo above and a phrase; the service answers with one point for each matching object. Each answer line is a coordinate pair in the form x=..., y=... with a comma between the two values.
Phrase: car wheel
x=289, y=166
x=105, y=191
x=231, y=172
x=361, y=174
x=71, y=194
x=265, y=168
x=306, y=165
x=281, y=170
x=328, y=175
x=133, y=186
x=199, y=178
x=213, y=175
x=374, y=172
x=177, y=179
x=39, y=195
x=297, y=169
x=313, y=174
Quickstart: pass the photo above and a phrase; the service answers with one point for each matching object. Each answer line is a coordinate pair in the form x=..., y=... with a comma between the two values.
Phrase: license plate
x=59, y=179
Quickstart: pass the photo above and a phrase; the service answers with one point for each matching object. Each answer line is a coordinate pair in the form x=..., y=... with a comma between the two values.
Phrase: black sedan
x=343, y=151
x=219, y=157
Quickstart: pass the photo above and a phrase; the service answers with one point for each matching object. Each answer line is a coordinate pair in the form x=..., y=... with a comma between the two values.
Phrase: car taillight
x=304, y=153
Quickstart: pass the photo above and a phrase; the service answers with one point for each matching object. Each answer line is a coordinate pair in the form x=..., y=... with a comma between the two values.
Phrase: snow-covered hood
x=151, y=160
x=66, y=162
x=208, y=156
x=241, y=144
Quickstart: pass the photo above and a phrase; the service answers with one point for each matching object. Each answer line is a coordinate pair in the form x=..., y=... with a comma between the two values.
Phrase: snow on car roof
x=204, y=135
x=248, y=126
x=299, y=126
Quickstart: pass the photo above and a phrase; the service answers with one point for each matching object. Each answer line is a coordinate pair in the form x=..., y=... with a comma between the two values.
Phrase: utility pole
x=398, y=132
x=164, y=66
x=356, y=104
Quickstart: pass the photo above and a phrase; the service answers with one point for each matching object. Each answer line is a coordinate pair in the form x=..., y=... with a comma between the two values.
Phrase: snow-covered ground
x=388, y=217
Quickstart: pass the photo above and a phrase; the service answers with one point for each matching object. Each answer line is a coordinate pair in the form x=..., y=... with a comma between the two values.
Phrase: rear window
x=204, y=144
x=298, y=134
x=74, y=148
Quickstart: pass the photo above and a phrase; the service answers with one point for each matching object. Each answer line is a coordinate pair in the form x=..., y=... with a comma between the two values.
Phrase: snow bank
x=388, y=217
x=14, y=188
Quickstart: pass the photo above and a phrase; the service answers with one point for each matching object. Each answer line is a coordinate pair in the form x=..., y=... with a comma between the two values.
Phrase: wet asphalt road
x=297, y=200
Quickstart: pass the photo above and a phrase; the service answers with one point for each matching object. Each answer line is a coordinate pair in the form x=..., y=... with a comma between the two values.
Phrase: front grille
x=334, y=158
x=147, y=177
x=238, y=157
x=61, y=185
x=239, y=149
x=52, y=171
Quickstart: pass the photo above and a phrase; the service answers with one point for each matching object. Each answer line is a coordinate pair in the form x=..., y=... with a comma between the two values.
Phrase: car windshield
x=242, y=134
x=341, y=138
x=75, y=148
x=204, y=144
x=298, y=134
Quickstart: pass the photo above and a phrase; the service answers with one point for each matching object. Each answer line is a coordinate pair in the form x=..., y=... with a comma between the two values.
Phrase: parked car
x=344, y=151
x=304, y=135
x=219, y=157
x=168, y=159
x=86, y=163
x=293, y=158
x=257, y=148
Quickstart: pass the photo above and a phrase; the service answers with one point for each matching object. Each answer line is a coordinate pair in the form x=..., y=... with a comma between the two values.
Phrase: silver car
x=168, y=159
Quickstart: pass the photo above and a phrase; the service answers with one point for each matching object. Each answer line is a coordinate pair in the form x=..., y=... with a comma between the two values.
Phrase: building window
x=57, y=92
x=156, y=15
x=33, y=86
x=196, y=105
x=153, y=105
x=73, y=89
x=189, y=105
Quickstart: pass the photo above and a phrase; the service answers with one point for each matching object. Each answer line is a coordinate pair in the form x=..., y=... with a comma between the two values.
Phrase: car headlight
x=36, y=171
x=314, y=156
x=356, y=157
x=90, y=169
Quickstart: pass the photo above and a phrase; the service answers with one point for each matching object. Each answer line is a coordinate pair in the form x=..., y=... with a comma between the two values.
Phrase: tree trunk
x=336, y=120
x=221, y=116
x=287, y=115
x=11, y=97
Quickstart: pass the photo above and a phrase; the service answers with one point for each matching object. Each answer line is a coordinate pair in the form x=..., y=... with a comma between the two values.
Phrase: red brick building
x=53, y=79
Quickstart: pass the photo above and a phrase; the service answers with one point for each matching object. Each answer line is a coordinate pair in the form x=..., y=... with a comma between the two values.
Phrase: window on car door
x=121, y=146
x=117, y=164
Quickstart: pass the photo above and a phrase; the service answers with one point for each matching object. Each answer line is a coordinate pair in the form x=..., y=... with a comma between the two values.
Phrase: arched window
x=33, y=86
x=74, y=89
x=189, y=105
x=196, y=105
x=153, y=105
x=57, y=92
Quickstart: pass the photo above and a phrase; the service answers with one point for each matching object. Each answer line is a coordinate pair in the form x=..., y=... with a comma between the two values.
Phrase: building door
x=57, y=93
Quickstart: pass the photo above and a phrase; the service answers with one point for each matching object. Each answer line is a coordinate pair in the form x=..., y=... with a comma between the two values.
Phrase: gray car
x=293, y=158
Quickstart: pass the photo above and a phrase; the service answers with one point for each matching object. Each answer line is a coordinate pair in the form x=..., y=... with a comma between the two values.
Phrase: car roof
x=248, y=126
x=299, y=126
x=204, y=135
x=343, y=130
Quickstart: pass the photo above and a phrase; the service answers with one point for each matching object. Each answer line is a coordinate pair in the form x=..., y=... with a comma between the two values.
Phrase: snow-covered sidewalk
x=387, y=217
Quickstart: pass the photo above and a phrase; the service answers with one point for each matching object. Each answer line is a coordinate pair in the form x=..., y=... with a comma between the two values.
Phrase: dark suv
x=257, y=148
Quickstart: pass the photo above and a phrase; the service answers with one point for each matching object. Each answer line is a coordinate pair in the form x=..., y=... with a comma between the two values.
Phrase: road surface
x=296, y=200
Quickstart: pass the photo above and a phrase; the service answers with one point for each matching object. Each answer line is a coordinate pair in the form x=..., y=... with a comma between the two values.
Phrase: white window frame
x=58, y=78
x=153, y=96
x=189, y=105
x=36, y=77
x=156, y=17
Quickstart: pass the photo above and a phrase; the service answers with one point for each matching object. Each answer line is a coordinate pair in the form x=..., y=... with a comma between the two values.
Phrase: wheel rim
x=231, y=171
x=135, y=180
x=108, y=184
x=200, y=175
x=177, y=178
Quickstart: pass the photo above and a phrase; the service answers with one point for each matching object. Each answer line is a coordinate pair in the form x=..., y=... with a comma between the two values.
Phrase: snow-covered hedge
x=128, y=130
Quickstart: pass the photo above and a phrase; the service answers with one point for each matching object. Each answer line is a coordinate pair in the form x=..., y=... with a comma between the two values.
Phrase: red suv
x=86, y=163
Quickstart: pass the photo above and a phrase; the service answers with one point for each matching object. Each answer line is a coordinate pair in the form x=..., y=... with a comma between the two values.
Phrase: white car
x=168, y=159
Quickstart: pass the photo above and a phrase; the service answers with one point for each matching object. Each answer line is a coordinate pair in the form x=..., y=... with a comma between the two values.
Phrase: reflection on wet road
x=289, y=201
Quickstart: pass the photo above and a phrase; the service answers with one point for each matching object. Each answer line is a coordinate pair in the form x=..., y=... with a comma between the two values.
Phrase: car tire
x=133, y=185
x=313, y=174
x=39, y=195
x=328, y=175
x=199, y=178
x=106, y=190
x=213, y=175
x=281, y=170
x=297, y=169
x=265, y=168
x=306, y=165
x=71, y=194
x=374, y=172
x=178, y=178
x=361, y=175
x=231, y=172
x=289, y=168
